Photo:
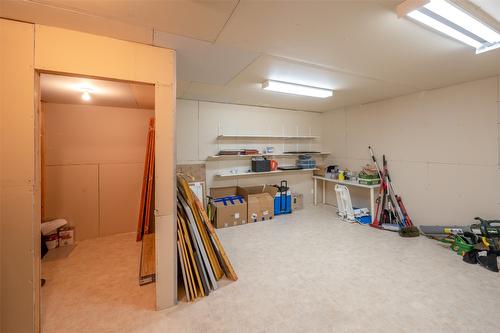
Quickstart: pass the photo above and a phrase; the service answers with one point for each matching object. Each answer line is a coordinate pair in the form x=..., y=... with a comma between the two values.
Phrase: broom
x=407, y=228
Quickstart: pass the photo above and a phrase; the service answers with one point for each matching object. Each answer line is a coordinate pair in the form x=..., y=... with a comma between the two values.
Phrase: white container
x=51, y=240
x=66, y=236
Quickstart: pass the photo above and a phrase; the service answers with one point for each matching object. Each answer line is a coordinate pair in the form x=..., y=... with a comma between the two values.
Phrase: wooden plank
x=190, y=252
x=203, y=279
x=189, y=277
x=226, y=263
x=148, y=261
x=140, y=220
x=182, y=262
x=149, y=193
x=189, y=196
x=194, y=290
x=206, y=267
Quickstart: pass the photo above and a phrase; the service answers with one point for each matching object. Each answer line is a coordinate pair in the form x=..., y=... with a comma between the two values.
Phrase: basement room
x=249, y=166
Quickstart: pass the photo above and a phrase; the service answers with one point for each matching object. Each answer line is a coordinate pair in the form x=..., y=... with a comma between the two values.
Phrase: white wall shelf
x=266, y=173
x=244, y=157
x=257, y=136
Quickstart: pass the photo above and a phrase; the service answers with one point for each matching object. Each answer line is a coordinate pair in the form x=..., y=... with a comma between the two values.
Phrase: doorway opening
x=94, y=135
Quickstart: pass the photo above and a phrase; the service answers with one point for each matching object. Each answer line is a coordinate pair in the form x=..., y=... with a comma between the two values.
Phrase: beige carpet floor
x=306, y=272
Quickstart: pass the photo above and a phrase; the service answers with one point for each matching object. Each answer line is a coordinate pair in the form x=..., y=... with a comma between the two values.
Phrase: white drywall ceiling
x=197, y=19
x=492, y=7
x=202, y=61
x=358, y=47
x=68, y=90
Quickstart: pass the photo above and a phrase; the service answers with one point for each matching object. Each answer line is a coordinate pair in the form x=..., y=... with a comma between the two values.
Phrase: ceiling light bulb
x=86, y=96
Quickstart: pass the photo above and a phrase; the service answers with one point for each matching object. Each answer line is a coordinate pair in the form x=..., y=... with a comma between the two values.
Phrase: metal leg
x=372, y=203
x=315, y=191
x=324, y=187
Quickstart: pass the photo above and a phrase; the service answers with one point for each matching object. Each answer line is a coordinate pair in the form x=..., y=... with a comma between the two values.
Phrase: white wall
x=199, y=124
x=442, y=147
x=94, y=164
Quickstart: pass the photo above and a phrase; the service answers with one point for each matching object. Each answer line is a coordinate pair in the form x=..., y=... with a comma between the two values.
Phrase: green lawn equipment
x=478, y=243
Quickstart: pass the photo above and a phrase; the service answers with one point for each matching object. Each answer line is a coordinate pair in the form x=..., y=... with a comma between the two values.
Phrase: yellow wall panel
x=164, y=148
x=25, y=48
x=81, y=53
x=18, y=233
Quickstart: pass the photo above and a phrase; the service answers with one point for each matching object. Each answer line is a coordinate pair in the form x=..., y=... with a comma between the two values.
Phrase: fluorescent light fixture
x=449, y=19
x=296, y=89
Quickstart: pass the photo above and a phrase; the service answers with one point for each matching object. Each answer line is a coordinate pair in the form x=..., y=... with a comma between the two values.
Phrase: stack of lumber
x=202, y=258
x=146, y=204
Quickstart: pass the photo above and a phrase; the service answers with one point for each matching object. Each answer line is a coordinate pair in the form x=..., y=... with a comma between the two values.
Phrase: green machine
x=478, y=243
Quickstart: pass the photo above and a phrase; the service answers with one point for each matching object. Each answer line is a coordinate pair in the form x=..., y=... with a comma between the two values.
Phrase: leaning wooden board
x=229, y=271
x=189, y=196
x=148, y=264
x=183, y=268
x=194, y=268
x=196, y=251
x=144, y=205
x=199, y=243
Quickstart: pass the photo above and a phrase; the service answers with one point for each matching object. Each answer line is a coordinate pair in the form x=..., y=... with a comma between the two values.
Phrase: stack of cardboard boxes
x=255, y=203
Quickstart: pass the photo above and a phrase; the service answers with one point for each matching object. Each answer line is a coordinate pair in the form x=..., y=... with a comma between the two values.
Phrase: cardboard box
x=66, y=236
x=260, y=200
x=321, y=170
x=228, y=213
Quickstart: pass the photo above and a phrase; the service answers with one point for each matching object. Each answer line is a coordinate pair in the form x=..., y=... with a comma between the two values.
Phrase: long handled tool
x=395, y=207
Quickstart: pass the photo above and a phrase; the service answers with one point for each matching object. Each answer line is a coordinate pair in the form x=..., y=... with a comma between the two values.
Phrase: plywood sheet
x=119, y=197
x=101, y=56
x=83, y=134
x=165, y=150
x=71, y=193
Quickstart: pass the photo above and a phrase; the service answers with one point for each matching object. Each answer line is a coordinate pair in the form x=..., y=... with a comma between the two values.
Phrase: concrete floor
x=306, y=272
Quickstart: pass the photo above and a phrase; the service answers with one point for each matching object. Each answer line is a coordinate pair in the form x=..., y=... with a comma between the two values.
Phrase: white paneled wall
x=442, y=146
x=199, y=124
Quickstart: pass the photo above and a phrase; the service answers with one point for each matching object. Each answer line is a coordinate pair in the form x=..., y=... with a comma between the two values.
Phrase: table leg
x=324, y=188
x=372, y=203
x=315, y=190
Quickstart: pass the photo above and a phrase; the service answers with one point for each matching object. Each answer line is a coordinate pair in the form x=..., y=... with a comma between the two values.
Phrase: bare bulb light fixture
x=86, y=94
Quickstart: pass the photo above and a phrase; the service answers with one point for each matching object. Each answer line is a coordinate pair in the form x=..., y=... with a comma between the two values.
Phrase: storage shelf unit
x=267, y=173
x=257, y=136
x=243, y=157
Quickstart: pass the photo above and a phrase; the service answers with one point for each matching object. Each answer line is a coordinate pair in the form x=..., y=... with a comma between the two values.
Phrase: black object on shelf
x=261, y=165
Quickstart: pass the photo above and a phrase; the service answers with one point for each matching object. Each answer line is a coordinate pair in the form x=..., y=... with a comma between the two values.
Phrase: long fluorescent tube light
x=453, y=21
x=435, y=24
x=296, y=89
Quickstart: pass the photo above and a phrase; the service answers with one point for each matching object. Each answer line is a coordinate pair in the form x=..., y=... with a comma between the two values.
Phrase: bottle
x=341, y=175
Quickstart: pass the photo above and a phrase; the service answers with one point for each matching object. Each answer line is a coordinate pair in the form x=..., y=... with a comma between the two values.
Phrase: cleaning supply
x=391, y=214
